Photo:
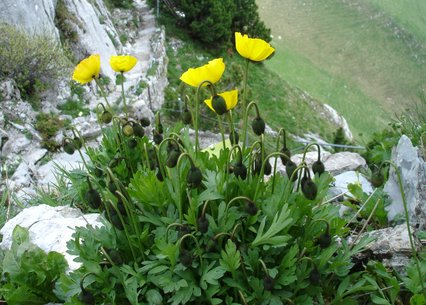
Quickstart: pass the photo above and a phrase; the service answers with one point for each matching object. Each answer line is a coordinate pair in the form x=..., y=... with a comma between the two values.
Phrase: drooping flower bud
x=202, y=224
x=68, y=146
x=268, y=283
x=290, y=168
x=185, y=257
x=258, y=126
x=285, y=159
x=194, y=177
x=309, y=188
x=251, y=208
x=172, y=158
x=315, y=276
x=267, y=170
x=127, y=129
x=145, y=121
x=377, y=178
x=138, y=130
x=78, y=142
x=132, y=143
x=93, y=198
x=106, y=117
x=86, y=297
x=240, y=170
x=318, y=167
x=157, y=137
x=186, y=116
x=219, y=104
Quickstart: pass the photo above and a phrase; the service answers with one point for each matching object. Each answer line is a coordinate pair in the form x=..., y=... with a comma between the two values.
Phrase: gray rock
x=16, y=144
x=392, y=245
x=9, y=90
x=412, y=169
x=35, y=16
x=343, y=162
x=342, y=180
x=50, y=228
x=339, y=120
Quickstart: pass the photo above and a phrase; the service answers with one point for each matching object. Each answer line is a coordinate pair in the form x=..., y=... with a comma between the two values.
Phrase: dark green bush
x=35, y=62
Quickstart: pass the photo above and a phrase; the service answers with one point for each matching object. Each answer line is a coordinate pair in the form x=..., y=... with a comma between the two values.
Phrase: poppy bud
x=251, y=208
x=69, y=147
x=309, y=189
x=98, y=172
x=112, y=187
x=377, y=178
x=152, y=159
x=171, y=146
x=268, y=283
x=138, y=130
x=240, y=170
x=268, y=168
x=120, y=204
x=86, y=297
x=144, y=121
x=106, y=117
x=160, y=128
x=184, y=229
x=186, y=117
x=78, y=142
x=219, y=104
x=116, y=221
x=258, y=126
x=127, y=130
x=318, y=167
x=194, y=177
x=157, y=137
x=185, y=257
x=132, y=143
x=173, y=158
x=159, y=175
x=203, y=224
x=315, y=276
x=93, y=198
x=290, y=168
x=234, y=138
x=285, y=159
x=324, y=240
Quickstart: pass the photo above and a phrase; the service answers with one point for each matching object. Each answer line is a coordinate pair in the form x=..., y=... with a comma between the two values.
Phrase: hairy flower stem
x=124, y=96
x=245, y=113
x=309, y=146
x=231, y=127
x=103, y=94
x=222, y=131
x=197, y=106
x=282, y=131
x=407, y=221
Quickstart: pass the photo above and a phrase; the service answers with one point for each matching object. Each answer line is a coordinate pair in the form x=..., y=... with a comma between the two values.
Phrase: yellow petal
x=211, y=72
x=209, y=103
x=230, y=97
x=122, y=63
x=252, y=48
x=87, y=69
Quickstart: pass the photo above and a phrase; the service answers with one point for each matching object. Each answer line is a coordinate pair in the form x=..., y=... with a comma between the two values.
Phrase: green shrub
x=35, y=62
x=127, y=4
x=48, y=124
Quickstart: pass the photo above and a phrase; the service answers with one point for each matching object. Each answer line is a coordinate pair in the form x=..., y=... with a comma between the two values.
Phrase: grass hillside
x=365, y=58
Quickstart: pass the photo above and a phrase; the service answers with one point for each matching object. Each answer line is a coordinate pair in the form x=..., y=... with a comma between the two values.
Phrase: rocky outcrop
x=35, y=16
x=339, y=120
x=50, y=228
x=412, y=169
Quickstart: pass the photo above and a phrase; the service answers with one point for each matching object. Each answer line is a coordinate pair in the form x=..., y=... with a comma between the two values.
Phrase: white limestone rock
x=344, y=161
x=50, y=228
x=342, y=180
x=412, y=169
x=339, y=120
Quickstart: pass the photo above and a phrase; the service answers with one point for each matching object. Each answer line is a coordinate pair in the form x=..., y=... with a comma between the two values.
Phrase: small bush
x=35, y=62
x=48, y=124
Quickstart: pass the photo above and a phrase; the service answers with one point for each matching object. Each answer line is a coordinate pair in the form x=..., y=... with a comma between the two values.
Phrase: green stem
x=123, y=95
x=197, y=106
x=222, y=131
x=231, y=126
x=282, y=131
x=244, y=135
x=309, y=146
x=103, y=94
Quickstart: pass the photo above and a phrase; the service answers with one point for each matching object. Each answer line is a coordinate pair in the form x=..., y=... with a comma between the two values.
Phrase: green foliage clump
x=35, y=62
x=28, y=274
x=48, y=124
x=126, y=4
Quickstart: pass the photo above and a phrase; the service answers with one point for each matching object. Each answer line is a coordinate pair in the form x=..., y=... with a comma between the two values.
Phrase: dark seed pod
x=69, y=147
x=194, y=177
x=203, y=224
x=120, y=204
x=93, y=198
x=116, y=221
x=152, y=159
x=251, y=208
x=309, y=189
x=258, y=126
x=132, y=143
x=184, y=229
x=315, y=276
x=268, y=168
x=173, y=158
x=324, y=240
x=219, y=104
x=185, y=257
x=160, y=128
x=268, y=283
x=128, y=129
x=318, y=167
x=138, y=130
x=186, y=117
x=377, y=178
x=157, y=137
x=257, y=164
x=106, y=117
x=234, y=138
x=240, y=170
x=144, y=121
x=285, y=159
x=78, y=142
x=290, y=168
x=86, y=297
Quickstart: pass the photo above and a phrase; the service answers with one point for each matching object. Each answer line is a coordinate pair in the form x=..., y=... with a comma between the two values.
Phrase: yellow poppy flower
x=252, y=48
x=88, y=69
x=230, y=98
x=211, y=72
x=122, y=63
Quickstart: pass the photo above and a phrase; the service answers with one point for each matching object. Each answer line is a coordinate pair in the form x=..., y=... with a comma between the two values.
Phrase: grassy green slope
x=349, y=55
